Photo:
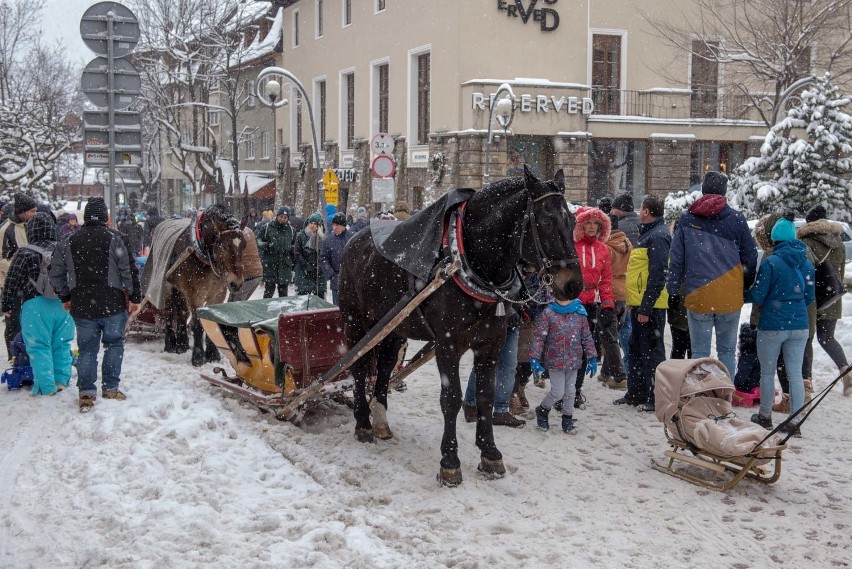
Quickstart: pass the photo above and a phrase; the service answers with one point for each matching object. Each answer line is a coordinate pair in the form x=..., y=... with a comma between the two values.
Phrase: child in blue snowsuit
x=46, y=326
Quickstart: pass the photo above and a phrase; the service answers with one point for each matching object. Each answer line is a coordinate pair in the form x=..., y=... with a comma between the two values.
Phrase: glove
x=536, y=368
x=592, y=367
x=606, y=318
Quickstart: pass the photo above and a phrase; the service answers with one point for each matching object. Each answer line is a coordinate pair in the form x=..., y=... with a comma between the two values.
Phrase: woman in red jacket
x=590, y=235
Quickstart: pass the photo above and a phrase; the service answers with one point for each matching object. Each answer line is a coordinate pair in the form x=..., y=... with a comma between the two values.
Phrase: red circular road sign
x=383, y=166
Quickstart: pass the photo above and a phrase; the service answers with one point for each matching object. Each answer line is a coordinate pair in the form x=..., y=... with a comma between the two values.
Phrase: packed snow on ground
x=183, y=476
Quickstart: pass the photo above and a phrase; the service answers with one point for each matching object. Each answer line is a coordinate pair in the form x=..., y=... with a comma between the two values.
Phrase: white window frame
x=342, y=123
x=374, y=93
x=319, y=19
x=411, y=112
x=213, y=117
x=264, y=145
x=250, y=94
x=343, y=4
x=250, y=140
x=381, y=6
x=296, y=25
x=622, y=62
x=315, y=105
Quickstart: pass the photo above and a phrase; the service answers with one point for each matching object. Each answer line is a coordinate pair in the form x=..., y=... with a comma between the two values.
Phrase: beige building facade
x=596, y=94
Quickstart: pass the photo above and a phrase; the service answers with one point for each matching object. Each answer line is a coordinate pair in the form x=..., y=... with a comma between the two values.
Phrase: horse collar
x=196, y=242
x=466, y=279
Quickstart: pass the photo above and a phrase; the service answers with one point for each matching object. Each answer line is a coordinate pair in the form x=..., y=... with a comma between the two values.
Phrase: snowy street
x=182, y=476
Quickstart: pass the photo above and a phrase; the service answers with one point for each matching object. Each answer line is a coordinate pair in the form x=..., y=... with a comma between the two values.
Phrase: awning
x=253, y=184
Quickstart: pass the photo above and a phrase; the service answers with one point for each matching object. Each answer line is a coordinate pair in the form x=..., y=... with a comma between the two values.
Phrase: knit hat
x=605, y=204
x=784, y=230
x=714, y=183
x=23, y=203
x=815, y=213
x=623, y=201
x=314, y=218
x=283, y=210
x=339, y=219
x=96, y=210
x=362, y=213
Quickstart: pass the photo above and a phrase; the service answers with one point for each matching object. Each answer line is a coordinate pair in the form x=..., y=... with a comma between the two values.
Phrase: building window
x=319, y=19
x=264, y=145
x=535, y=152
x=213, y=117
x=349, y=82
x=248, y=87
x=322, y=113
x=704, y=80
x=380, y=6
x=617, y=166
x=423, y=86
x=606, y=74
x=383, y=87
x=250, y=147
x=347, y=12
x=295, y=28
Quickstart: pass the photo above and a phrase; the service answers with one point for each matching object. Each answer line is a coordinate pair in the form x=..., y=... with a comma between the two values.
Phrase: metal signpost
x=383, y=168
x=112, y=136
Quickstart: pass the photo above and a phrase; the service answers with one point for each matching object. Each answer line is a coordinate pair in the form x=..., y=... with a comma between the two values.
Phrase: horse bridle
x=529, y=221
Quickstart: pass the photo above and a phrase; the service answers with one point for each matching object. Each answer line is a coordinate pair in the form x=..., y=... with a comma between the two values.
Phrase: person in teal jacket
x=783, y=289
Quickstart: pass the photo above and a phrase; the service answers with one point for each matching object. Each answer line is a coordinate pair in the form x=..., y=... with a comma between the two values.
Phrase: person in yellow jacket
x=647, y=298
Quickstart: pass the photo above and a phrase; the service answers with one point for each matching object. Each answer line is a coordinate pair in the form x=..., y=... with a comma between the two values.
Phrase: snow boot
x=522, y=395
x=568, y=425
x=515, y=406
x=541, y=418
x=765, y=422
x=508, y=420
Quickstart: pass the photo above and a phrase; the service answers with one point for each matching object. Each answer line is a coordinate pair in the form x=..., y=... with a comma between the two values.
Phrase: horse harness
x=475, y=286
x=197, y=244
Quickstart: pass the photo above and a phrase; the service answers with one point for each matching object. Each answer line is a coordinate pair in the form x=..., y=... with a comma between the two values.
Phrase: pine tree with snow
x=795, y=172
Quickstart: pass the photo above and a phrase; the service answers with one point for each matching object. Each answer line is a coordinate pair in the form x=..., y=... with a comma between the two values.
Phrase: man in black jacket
x=98, y=281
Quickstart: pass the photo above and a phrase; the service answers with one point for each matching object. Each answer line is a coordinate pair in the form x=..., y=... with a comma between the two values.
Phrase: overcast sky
x=61, y=20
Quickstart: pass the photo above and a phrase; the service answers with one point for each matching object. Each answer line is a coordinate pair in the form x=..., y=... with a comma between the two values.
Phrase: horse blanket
x=160, y=260
x=415, y=244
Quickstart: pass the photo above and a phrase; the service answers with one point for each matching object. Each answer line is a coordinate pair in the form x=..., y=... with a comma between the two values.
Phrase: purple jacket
x=560, y=340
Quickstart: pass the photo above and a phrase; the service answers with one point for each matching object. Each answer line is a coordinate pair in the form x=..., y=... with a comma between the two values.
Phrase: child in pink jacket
x=562, y=338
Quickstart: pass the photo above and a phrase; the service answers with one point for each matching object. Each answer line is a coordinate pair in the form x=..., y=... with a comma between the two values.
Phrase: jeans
x=647, y=351
x=791, y=343
x=625, y=326
x=701, y=331
x=505, y=379
x=110, y=331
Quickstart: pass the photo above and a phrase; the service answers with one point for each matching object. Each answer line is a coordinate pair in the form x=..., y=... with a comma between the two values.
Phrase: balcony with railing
x=681, y=104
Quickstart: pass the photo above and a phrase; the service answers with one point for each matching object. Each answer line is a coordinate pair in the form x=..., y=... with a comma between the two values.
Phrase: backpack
x=42, y=283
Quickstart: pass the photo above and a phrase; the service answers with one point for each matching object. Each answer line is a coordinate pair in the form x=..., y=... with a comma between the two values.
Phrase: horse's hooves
x=209, y=358
x=364, y=436
x=383, y=431
x=492, y=468
x=450, y=477
x=198, y=359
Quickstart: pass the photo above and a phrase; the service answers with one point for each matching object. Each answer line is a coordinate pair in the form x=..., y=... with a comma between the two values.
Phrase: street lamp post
x=505, y=108
x=270, y=96
x=265, y=100
x=786, y=94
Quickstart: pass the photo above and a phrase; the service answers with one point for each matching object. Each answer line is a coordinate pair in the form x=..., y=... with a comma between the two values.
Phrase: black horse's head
x=548, y=242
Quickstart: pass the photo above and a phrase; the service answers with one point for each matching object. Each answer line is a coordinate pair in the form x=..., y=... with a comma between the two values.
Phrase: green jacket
x=275, y=244
x=823, y=240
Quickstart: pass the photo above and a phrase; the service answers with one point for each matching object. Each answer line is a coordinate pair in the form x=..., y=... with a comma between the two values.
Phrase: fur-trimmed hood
x=585, y=214
x=819, y=227
x=763, y=229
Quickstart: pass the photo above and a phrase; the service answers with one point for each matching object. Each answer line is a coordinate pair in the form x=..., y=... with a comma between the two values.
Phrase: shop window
x=617, y=166
x=714, y=156
x=536, y=152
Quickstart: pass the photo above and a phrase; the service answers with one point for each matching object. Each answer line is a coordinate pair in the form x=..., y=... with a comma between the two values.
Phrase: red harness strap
x=460, y=243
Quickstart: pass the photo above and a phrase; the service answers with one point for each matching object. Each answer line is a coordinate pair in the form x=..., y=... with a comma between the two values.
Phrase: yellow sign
x=330, y=180
x=331, y=196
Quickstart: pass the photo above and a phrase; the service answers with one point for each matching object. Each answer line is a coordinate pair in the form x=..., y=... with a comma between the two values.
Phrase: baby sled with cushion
x=711, y=446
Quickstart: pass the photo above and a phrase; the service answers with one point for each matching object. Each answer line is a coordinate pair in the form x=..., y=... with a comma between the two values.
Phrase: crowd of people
x=638, y=275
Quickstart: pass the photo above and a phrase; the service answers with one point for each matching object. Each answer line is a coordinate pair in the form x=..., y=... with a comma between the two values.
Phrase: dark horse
x=202, y=277
x=514, y=221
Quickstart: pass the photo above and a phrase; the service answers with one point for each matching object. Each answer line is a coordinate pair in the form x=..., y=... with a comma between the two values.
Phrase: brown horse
x=206, y=261
x=510, y=222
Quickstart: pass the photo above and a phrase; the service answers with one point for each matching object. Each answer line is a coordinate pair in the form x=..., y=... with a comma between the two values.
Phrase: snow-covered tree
x=678, y=202
x=38, y=93
x=804, y=161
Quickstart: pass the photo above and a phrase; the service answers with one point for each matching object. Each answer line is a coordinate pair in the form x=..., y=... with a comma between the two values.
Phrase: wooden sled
x=723, y=472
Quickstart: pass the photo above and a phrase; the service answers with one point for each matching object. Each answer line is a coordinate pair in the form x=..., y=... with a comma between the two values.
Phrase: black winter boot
x=541, y=418
x=568, y=425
